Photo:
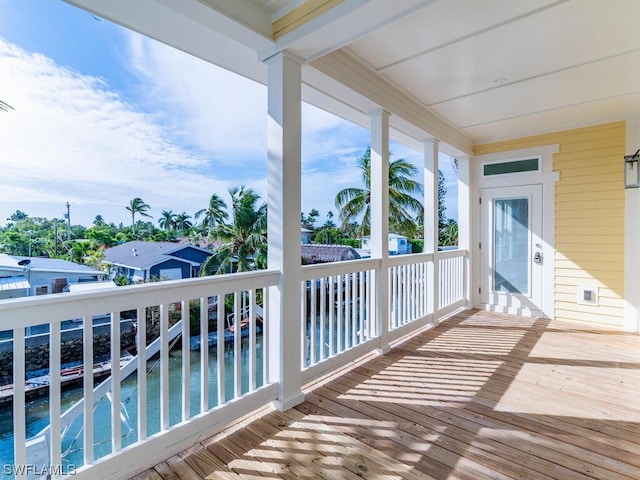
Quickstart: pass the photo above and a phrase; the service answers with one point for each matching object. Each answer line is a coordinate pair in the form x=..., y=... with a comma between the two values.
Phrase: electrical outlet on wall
x=587, y=295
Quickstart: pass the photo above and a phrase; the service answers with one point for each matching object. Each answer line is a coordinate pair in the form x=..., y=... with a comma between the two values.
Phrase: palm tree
x=354, y=202
x=5, y=107
x=137, y=205
x=168, y=220
x=214, y=214
x=244, y=241
x=182, y=222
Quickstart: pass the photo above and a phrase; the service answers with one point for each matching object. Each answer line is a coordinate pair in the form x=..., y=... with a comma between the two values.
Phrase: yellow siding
x=301, y=15
x=589, y=218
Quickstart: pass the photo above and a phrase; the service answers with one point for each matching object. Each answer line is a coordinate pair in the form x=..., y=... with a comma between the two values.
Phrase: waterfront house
x=31, y=276
x=539, y=102
x=141, y=261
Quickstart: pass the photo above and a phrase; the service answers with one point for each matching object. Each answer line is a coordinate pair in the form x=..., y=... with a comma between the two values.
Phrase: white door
x=511, y=249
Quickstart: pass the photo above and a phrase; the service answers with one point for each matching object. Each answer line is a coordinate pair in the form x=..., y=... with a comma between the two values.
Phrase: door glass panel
x=511, y=245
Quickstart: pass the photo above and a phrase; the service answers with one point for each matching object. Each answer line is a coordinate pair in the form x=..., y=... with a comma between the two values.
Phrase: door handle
x=537, y=258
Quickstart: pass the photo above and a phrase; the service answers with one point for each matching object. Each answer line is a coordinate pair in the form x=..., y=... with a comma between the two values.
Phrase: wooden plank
x=148, y=475
x=205, y=464
x=481, y=396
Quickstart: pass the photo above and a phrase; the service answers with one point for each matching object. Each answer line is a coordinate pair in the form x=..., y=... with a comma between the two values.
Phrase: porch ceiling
x=464, y=71
x=498, y=69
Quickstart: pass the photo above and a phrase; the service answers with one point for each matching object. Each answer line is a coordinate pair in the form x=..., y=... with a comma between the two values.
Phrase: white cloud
x=72, y=139
x=220, y=112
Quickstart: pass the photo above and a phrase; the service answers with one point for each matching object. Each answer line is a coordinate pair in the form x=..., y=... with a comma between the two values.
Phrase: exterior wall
x=155, y=270
x=191, y=254
x=301, y=15
x=589, y=218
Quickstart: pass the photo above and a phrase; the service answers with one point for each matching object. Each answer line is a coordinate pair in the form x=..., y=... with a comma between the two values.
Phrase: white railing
x=115, y=423
x=152, y=412
x=337, y=311
x=409, y=292
x=452, y=273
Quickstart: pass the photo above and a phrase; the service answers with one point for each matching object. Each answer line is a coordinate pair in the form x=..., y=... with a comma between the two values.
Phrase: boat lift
x=38, y=446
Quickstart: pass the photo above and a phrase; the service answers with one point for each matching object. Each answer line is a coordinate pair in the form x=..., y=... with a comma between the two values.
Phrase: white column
x=632, y=239
x=464, y=220
x=283, y=198
x=431, y=219
x=380, y=221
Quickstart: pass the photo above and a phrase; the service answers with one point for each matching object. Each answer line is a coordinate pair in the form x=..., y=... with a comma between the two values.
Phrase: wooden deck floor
x=482, y=396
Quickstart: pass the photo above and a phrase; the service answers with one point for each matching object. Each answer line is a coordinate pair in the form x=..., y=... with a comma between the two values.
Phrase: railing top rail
x=310, y=272
x=397, y=260
x=451, y=253
x=32, y=310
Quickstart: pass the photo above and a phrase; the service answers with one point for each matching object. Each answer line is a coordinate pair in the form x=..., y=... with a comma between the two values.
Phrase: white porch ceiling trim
x=348, y=69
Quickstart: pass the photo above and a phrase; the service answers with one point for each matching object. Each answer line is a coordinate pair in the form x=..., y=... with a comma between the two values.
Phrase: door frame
x=544, y=176
x=529, y=302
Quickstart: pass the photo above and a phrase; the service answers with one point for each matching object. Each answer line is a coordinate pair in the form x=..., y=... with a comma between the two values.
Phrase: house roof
x=141, y=255
x=463, y=71
x=312, y=253
x=42, y=264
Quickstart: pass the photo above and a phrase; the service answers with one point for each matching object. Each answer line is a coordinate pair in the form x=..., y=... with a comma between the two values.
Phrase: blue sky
x=103, y=115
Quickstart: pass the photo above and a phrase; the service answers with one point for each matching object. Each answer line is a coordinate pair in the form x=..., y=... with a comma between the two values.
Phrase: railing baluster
x=305, y=359
x=361, y=300
x=252, y=340
x=323, y=321
x=237, y=344
x=340, y=315
x=164, y=366
x=220, y=346
x=87, y=359
x=186, y=359
x=332, y=311
x=265, y=335
x=54, y=394
x=354, y=308
x=204, y=352
x=116, y=426
x=312, y=323
x=142, y=373
x=19, y=412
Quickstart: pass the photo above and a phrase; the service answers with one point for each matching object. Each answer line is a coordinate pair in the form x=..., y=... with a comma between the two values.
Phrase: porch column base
x=284, y=405
x=383, y=350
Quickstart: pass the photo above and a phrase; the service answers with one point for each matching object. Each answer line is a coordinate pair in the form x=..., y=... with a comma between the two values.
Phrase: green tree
x=214, y=214
x=182, y=222
x=244, y=241
x=168, y=220
x=448, y=234
x=17, y=216
x=138, y=206
x=5, y=107
x=329, y=223
x=354, y=203
x=329, y=236
x=442, y=207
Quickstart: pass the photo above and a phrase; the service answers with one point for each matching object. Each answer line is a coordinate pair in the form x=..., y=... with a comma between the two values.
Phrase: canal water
x=37, y=410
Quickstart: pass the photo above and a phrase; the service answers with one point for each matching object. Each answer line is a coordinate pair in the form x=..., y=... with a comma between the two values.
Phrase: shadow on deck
x=481, y=396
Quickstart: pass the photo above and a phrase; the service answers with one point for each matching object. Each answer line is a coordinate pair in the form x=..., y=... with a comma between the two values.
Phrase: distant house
x=305, y=235
x=141, y=261
x=398, y=244
x=30, y=276
x=312, y=253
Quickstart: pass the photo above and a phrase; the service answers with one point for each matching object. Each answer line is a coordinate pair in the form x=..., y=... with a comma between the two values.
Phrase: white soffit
x=497, y=69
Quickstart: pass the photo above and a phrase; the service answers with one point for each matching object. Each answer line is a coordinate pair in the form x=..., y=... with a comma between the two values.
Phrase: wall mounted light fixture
x=631, y=174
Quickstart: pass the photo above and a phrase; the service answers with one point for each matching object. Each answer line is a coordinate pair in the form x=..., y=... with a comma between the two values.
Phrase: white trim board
x=546, y=177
